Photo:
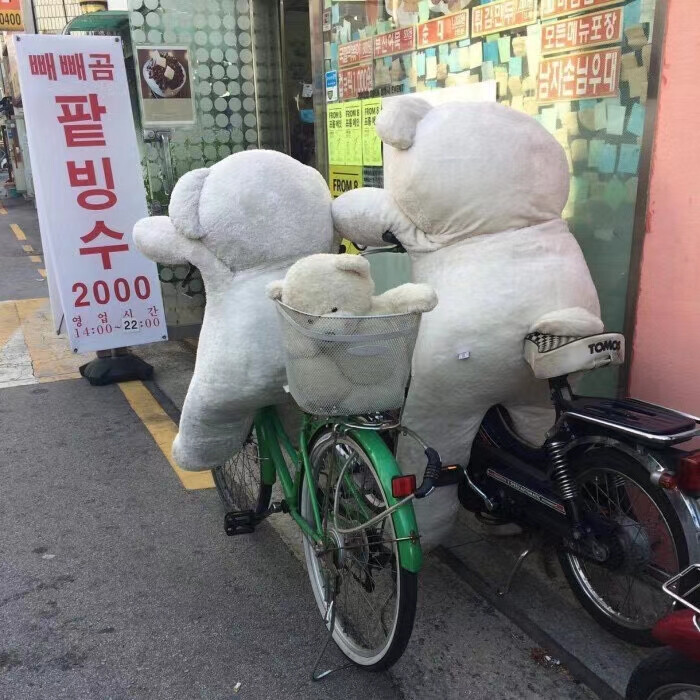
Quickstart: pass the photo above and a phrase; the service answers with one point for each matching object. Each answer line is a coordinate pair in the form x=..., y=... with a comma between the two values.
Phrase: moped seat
x=552, y=356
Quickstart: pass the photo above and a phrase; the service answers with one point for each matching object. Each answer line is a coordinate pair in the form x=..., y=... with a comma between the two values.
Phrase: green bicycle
x=344, y=489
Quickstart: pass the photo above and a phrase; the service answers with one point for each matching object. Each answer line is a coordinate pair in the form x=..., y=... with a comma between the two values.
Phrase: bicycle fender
x=404, y=519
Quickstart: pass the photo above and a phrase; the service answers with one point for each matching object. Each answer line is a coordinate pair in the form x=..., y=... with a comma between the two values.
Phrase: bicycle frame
x=273, y=443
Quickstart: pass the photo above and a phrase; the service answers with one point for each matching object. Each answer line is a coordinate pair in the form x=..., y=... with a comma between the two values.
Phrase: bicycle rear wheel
x=239, y=479
x=359, y=573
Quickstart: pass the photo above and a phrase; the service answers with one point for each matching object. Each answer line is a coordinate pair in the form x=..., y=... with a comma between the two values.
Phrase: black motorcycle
x=611, y=487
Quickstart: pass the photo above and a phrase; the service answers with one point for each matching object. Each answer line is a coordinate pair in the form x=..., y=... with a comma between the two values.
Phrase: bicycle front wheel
x=239, y=479
x=357, y=578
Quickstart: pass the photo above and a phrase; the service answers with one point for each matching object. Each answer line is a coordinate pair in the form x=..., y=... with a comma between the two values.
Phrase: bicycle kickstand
x=330, y=613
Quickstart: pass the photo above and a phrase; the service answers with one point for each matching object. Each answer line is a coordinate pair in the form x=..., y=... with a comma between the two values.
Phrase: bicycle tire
x=609, y=458
x=239, y=479
x=406, y=581
x=662, y=675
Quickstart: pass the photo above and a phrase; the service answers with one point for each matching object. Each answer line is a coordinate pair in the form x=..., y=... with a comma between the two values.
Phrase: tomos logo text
x=604, y=345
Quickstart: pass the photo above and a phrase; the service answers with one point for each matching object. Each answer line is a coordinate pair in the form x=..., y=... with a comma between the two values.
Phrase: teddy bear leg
x=531, y=422
x=452, y=437
x=208, y=433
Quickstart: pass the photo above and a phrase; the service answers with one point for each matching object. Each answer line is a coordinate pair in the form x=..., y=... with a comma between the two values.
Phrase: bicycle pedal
x=240, y=522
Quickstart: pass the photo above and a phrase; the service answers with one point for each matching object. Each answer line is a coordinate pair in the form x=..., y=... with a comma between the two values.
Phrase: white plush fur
x=474, y=192
x=341, y=285
x=242, y=222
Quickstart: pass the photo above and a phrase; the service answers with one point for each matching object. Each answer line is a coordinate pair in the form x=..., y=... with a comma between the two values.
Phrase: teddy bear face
x=325, y=284
x=462, y=169
x=254, y=208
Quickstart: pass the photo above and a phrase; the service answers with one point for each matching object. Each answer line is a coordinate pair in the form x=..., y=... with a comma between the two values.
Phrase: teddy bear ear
x=274, y=289
x=184, y=203
x=352, y=263
x=398, y=120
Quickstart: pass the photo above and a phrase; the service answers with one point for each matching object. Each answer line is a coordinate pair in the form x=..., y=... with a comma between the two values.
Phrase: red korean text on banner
x=583, y=32
x=356, y=81
x=442, y=30
x=501, y=15
x=560, y=8
x=90, y=193
x=579, y=76
x=355, y=52
x=398, y=41
x=11, y=16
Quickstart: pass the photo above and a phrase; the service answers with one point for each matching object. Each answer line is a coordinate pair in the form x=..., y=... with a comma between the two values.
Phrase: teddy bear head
x=251, y=209
x=461, y=169
x=325, y=284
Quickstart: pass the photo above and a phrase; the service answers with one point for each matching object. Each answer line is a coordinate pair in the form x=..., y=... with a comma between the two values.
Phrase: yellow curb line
x=163, y=430
x=42, y=272
x=35, y=258
x=18, y=232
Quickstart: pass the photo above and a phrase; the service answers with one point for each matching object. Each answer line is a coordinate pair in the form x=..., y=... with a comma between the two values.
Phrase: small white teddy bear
x=322, y=286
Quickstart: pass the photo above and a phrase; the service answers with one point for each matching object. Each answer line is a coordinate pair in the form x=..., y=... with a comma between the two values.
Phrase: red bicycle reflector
x=688, y=474
x=402, y=486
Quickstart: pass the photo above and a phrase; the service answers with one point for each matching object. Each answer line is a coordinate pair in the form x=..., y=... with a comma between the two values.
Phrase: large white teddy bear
x=474, y=192
x=332, y=291
x=242, y=222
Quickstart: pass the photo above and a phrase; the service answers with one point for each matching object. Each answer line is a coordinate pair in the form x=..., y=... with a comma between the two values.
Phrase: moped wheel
x=239, y=479
x=664, y=675
x=360, y=573
x=625, y=596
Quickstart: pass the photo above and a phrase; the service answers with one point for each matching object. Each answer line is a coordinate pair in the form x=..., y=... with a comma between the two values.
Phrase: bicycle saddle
x=552, y=356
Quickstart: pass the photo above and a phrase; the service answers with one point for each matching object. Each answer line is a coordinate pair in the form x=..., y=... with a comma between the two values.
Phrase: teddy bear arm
x=404, y=299
x=364, y=215
x=574, y=321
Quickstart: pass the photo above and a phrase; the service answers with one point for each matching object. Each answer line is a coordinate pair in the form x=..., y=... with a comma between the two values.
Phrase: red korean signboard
x=442, y=30
x=561, y=8
x=11, y=16
x=89, y=191
x=355, y=52
x=354, y=81
x=579, y=76
x=501, y=15
x=583, y=32
x=398, y=41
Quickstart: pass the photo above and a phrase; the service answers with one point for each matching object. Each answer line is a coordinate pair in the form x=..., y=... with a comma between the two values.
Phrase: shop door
x=298, y=83
x=208, y=76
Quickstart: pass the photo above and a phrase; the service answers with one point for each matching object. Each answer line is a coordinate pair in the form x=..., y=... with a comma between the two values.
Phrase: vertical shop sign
x=327, y=24
x=352, y=125
x=336, y=134
x=502, y=15
x=354, y=81
x=583, y=32
x=371, y=143
x=561, y=8
x=443, y=30
x=355, y=52
x=579, y=76
x=90, y=190
x=11, y=16
x=392, y=43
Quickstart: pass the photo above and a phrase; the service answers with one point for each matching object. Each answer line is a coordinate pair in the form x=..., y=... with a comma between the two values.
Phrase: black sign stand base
x=112, y=366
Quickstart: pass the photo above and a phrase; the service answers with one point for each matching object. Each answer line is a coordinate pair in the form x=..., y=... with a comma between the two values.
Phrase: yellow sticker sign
x=343, y=178
x=11, y=16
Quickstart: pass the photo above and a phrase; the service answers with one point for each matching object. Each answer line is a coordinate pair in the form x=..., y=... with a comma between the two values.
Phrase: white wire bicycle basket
x=347, y=365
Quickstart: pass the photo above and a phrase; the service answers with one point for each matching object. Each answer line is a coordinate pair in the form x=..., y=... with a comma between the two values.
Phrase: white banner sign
x=89, y=190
